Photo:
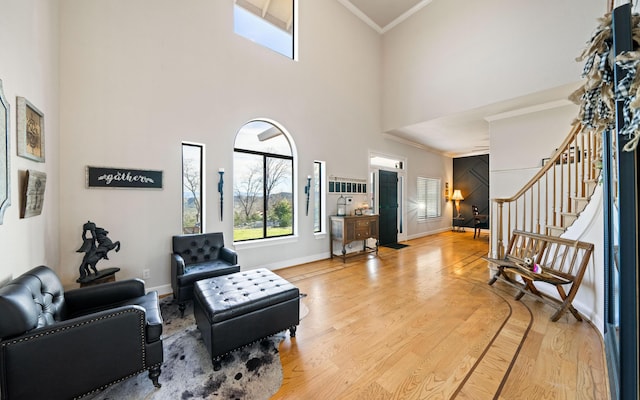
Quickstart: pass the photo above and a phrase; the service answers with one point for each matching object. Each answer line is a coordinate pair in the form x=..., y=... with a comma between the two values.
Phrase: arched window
x=263, y=167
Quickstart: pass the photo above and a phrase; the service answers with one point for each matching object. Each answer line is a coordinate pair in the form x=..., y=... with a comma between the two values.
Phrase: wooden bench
x=563, y=263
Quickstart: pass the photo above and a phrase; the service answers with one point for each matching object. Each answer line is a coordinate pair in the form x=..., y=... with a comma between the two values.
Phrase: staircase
x=554, y=198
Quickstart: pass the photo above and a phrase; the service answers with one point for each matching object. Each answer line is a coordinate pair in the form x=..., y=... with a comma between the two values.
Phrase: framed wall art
x=5, y=162
x=103, y=177
x=33, y=195
x=30, y=127
x=347, y=185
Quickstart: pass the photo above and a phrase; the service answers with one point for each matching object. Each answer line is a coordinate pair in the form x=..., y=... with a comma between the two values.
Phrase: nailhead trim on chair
x=142, y=331
x=116, y=381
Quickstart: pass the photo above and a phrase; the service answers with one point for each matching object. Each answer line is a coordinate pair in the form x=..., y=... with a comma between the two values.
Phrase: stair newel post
x=500, y=230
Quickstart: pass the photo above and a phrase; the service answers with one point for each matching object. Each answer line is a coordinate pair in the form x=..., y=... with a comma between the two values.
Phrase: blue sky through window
x=262, y=32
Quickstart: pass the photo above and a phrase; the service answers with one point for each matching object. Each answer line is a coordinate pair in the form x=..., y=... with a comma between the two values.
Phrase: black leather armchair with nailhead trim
x=65, y=345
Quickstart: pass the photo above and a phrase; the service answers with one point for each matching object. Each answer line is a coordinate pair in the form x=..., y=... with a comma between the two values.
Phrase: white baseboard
x=166, y=289
x=162, y=290
x=429, y=233
x=292, y=262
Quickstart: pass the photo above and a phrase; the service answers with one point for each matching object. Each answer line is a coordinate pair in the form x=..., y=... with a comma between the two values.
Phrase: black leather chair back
x=32, y=300
x=198, y=248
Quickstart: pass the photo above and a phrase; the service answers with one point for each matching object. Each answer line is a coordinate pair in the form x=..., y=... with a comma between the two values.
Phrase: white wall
x=520, y=142
x=457, y=55
x=137, y=78
x=29, y=68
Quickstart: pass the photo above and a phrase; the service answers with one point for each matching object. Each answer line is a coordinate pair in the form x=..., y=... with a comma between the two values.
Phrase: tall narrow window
x=262, y=183
x=192, y=155
x=318, y=195
x=429, y=205
x=268, y=23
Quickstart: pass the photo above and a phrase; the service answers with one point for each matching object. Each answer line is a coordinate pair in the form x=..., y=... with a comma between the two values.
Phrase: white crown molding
x=356, y=11
x=381, y=30
x=528, y=110
x=412, y=143
x=406, y=15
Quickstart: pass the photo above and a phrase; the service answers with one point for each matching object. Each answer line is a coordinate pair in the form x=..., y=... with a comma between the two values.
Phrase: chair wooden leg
x=566, y=305
x=182, y=306
x=154, y=374
x=495, y=276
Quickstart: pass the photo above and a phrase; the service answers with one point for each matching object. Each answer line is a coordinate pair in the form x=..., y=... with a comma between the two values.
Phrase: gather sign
x=103, y=177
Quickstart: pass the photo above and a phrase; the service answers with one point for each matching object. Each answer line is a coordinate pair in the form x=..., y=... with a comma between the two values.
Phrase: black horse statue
x=95, y=248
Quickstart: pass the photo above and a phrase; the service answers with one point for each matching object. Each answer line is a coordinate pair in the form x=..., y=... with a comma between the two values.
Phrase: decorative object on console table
x=30, y=127
x=33, y=195
x=221, y=190
x=95, y=248
x=342, y=206
x=102, y=177
x=346, y=229
x=5, y=162
x=457, y=196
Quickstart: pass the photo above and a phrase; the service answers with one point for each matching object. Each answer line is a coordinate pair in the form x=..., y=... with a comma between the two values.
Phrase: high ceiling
x=457, y=135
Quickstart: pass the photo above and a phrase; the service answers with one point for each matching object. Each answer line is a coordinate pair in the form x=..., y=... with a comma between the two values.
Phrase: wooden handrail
x=552, y=199
x=554, y=158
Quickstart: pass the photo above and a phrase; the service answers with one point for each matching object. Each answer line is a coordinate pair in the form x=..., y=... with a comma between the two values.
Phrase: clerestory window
x=269, y=23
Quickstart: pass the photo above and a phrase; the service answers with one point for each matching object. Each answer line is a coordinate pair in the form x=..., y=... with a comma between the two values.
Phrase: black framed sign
x=102, y=177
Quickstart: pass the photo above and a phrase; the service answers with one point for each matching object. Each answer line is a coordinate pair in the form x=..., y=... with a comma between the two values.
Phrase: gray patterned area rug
x=252, y=372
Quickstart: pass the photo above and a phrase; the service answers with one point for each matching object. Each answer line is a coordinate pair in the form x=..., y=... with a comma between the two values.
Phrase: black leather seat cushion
x=229, y=296
x=197, y=272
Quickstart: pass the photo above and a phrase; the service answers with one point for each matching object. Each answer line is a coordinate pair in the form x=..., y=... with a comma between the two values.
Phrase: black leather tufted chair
x=59, y=345
x=196, y=257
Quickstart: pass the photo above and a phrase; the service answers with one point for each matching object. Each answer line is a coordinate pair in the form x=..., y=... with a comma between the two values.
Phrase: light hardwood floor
x=422, y=323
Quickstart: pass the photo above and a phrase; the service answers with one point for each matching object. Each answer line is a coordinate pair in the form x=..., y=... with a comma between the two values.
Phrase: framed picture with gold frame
x=30, y=127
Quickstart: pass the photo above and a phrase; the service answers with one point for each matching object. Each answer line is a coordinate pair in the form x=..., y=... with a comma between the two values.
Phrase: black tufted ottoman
x=238, y=309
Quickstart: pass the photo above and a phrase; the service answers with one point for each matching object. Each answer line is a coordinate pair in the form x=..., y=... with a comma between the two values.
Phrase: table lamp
x=457, y=196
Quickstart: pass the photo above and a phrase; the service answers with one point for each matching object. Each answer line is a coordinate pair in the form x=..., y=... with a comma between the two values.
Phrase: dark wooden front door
x=388, y=207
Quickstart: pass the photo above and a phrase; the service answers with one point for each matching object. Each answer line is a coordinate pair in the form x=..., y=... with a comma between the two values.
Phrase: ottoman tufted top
x=229, y=296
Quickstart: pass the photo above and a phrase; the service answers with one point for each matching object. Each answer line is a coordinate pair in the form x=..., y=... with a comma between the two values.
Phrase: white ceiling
x=458, y=135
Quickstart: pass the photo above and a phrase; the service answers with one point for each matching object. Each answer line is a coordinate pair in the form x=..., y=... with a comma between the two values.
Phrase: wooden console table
x=351, y=228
